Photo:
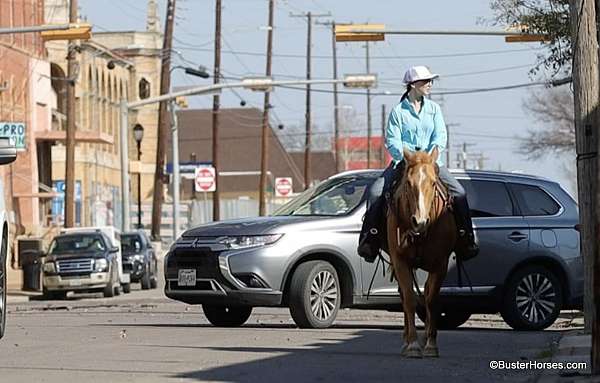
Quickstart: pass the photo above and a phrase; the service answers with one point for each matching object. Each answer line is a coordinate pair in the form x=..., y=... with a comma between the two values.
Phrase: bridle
x=440, y=202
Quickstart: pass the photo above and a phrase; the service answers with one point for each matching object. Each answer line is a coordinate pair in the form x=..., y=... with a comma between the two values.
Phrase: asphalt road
x=143, y=337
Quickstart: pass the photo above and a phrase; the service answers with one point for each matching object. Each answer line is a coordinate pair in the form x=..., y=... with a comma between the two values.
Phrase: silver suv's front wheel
x=314, y=295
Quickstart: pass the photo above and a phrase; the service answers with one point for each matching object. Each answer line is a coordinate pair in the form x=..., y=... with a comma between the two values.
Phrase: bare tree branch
x=553, y=109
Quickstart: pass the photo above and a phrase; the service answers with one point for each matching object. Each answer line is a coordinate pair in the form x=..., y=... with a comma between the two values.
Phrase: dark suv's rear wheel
x=227, y=316
x=315, y=295
x=532, y=299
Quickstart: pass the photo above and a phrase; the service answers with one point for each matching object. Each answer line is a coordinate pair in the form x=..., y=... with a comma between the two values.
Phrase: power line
x=329, y=57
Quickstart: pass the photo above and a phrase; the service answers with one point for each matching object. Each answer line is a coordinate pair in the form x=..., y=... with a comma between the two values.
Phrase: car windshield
x=131, y=243
x=77, y=244
x=333, y=197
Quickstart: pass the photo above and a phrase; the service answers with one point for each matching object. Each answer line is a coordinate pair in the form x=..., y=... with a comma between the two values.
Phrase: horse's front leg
x=412, y=348
x=432, y=292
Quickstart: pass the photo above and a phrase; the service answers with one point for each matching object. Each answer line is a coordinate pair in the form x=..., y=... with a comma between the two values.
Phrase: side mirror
x=8, y=153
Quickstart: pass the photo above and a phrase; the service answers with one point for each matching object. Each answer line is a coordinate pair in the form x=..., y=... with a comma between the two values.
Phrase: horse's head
x=418, y=189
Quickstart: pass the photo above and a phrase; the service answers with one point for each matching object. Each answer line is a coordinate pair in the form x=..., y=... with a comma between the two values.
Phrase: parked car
x=304, y=257
x=139, y=259
x=8, y=154
x=85, y=260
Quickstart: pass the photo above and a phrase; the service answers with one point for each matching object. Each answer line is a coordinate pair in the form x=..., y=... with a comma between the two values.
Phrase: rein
x=440, y=202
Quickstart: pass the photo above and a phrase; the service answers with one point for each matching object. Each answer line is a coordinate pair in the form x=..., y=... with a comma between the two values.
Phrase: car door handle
x=516, y=236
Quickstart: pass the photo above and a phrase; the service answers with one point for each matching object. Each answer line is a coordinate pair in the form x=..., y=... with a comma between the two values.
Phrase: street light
x=125, y=107
x=182, y=103
x=138, y=135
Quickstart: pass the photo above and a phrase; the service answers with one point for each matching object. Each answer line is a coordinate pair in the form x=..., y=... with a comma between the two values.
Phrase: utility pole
x=70, y=139
x=586, y=88
x=264, y=158
x=336, y=108
x=215, y=111
x=163, y=123
x=369, y=127
x=307, y=143
x=382, y=147
x=448, y=142
x=463, y=155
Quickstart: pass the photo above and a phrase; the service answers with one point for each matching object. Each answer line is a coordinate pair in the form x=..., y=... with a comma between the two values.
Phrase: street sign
x=205, y=179
x=283, y=186
x=15, y=131
x=368, y=32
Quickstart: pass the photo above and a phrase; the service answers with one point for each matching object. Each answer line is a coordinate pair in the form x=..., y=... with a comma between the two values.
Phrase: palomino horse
x=421, y=234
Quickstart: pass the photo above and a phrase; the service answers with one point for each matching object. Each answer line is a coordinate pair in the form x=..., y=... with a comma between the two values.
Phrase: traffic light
x=347, y=32
x=81, y=31
x=524, y=35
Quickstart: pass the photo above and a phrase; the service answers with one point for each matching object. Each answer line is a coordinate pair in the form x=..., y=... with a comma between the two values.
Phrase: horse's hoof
x=412, y=350
x=431, y=352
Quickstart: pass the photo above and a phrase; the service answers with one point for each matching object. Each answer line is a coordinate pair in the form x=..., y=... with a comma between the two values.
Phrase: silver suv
x=304, y=257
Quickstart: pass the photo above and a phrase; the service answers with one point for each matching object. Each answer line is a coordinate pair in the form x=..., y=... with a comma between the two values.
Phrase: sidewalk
x=574, y=346
x=20, y=296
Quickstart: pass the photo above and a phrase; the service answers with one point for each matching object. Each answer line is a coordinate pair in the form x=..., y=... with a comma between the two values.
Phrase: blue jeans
x=374, y=216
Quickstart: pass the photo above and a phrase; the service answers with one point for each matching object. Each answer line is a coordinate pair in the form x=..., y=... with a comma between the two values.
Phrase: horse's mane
x=420, y=158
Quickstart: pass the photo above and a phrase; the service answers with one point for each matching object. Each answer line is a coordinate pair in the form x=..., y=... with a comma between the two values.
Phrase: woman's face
x=423, y=87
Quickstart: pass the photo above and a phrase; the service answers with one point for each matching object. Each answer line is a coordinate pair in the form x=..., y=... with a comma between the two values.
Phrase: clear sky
x=492, y=121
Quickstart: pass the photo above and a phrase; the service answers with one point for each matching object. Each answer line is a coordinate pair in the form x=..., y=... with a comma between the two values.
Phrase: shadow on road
x=369, y=356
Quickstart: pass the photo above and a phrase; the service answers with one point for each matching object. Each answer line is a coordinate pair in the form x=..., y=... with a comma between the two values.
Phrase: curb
x=573, y=347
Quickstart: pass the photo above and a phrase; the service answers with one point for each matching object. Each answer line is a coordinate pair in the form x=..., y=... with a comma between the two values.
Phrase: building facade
x=26, y=104
x=114, y=66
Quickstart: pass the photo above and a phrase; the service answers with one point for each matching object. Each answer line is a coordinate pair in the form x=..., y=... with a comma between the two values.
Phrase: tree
x=549, y=17
x=552, y=107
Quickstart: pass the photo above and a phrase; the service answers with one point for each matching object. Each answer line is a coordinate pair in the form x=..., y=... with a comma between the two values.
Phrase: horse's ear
x=434, y=154
x=408, y=155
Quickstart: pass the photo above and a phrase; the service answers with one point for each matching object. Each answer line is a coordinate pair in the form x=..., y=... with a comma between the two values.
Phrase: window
x=131, y=244
x=77, y=244
x=335, y=197
x=534, y=201
x=488, y=198
x=144, y=89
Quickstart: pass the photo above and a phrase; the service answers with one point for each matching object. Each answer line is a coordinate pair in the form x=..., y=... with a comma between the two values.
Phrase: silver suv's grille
x=74, y=265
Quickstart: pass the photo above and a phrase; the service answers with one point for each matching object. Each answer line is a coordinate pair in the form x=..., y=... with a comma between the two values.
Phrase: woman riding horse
x=415, y=124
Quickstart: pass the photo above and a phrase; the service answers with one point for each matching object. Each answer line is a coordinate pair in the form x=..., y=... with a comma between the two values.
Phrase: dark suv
x=139, y=259
x=304, y=257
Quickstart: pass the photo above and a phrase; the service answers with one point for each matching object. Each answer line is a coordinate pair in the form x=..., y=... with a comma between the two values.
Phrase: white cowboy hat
x=418, y=73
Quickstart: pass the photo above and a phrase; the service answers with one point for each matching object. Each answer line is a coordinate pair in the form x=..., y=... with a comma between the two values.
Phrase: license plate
x=187, y=277
x=74, y=282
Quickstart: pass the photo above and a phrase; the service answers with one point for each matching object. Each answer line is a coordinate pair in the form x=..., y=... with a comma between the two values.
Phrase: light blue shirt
x=411, y=130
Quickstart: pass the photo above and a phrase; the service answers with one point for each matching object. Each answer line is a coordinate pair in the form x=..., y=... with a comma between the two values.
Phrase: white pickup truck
x=8, y=154
x=85, y=259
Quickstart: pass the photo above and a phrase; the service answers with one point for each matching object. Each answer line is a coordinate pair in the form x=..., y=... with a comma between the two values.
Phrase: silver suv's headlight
x=100, y=264
x=49, y=267
x=246, y=241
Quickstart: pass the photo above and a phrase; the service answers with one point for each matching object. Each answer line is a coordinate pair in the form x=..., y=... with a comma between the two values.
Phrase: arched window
x=144, y=89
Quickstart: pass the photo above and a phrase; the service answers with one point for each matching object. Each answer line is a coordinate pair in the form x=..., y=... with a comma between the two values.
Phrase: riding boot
x=466, y=246
x=370, y=234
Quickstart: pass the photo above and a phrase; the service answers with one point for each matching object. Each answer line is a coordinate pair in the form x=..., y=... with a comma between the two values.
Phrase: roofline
x=492, y=173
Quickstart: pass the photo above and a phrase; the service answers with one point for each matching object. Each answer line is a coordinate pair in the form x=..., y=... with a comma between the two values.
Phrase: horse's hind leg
x=412, y=348
x=432, y=291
